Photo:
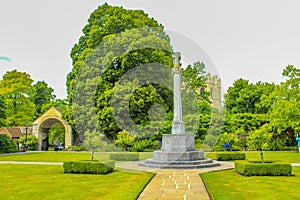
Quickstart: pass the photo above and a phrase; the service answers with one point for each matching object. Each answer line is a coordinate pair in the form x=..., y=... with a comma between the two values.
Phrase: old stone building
x=214, y=88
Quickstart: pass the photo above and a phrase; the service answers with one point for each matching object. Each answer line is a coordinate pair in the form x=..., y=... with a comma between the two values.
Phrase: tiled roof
x=17, y=132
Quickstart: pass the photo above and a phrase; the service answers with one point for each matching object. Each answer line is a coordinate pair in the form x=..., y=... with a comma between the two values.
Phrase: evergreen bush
x=124, y=156
x=145, y=145
x=230, y=156
x=247, y=168
x=7, y=145
x=89, y=167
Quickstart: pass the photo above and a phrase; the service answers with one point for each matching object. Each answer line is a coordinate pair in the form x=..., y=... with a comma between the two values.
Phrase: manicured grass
x=62, y=156
x=49, y=182
x=48, y=156
x=229, y=185
x=290, y=157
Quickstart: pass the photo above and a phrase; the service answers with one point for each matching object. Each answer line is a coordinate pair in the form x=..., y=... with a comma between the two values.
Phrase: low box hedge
x=230, y=156
x=247, y=168
x=124, y=156
x=89, y=167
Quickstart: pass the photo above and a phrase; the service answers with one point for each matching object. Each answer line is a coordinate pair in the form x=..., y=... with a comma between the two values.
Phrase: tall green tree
x=195, y=98
x=111, y=46
x=61, y=104
x=2, y=111
x=16, y=89
x=41, y=94
x=285, y=112
x=245, y=97
x=259, y=140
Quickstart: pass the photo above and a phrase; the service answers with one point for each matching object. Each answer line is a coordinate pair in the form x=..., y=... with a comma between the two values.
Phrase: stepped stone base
x=178, y=152
x=206, y=162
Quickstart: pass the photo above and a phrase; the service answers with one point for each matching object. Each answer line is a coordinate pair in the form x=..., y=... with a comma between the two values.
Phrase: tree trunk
x=92, y=155
x=262, y=156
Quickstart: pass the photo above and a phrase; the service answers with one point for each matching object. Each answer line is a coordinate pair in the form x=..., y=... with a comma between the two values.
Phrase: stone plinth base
x=177, y=143
x=178, y=156
x=178, y=152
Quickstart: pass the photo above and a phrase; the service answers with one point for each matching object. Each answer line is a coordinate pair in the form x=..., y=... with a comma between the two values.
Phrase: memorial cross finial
x=176, y=60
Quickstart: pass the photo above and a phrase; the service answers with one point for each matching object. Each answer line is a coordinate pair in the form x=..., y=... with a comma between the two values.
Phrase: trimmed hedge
x=247, y=168
x=124, y=156
x=230, y=156
x=89, y=167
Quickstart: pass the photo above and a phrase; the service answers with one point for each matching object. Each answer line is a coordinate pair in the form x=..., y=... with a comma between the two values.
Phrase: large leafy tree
x=104, y=21
x=245, y=97
x=2, y=111
x=113, y=45
x=285, y=112
x=246, y=106
x=199, y=113
x=16, y=89
x=41, y=94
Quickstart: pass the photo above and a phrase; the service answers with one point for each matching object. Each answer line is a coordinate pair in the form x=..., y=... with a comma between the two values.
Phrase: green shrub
x=111, y=148
x=230, y=156
x=77, y=148
x=124, y=156
x=247, y=168
x=89, y=167
x=145, y=145
x=6, y=144
x=32, y=141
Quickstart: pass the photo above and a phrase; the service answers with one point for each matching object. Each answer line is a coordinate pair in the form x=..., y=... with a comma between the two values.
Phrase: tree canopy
x=16, y=88
x=99, y=64
x=21, y=101
x=41, y=94
x=252, y=106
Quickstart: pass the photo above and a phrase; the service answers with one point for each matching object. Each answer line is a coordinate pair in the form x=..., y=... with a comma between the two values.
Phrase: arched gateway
x=42, y=125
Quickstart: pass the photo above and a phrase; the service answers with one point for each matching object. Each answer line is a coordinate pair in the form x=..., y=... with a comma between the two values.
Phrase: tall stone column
x=178, y=149
x=177, y=124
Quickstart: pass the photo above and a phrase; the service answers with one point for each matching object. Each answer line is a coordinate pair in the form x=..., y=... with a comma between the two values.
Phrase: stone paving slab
x=172, y=184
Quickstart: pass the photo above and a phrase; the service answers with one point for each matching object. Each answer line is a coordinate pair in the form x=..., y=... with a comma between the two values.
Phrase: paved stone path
x=175, y=184
x=170, y=184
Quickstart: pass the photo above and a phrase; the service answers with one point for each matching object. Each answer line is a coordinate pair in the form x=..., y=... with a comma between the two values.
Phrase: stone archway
x=42, y=125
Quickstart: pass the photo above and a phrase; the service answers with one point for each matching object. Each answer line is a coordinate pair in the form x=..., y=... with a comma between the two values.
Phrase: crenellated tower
x=214, y=88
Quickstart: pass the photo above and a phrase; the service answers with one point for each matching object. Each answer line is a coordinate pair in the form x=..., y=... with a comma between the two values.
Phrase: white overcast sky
x=251, y=39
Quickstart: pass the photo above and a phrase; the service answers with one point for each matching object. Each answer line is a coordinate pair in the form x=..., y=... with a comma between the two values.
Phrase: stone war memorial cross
x=178, y=149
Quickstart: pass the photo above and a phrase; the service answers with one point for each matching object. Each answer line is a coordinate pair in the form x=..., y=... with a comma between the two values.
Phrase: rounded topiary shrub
x=248, y=168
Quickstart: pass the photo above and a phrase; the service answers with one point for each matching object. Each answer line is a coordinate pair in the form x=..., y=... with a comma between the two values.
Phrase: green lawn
x=47, y=156
x=49, y=182
x=61, y=156
x=291, y=157
x=229, y=185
